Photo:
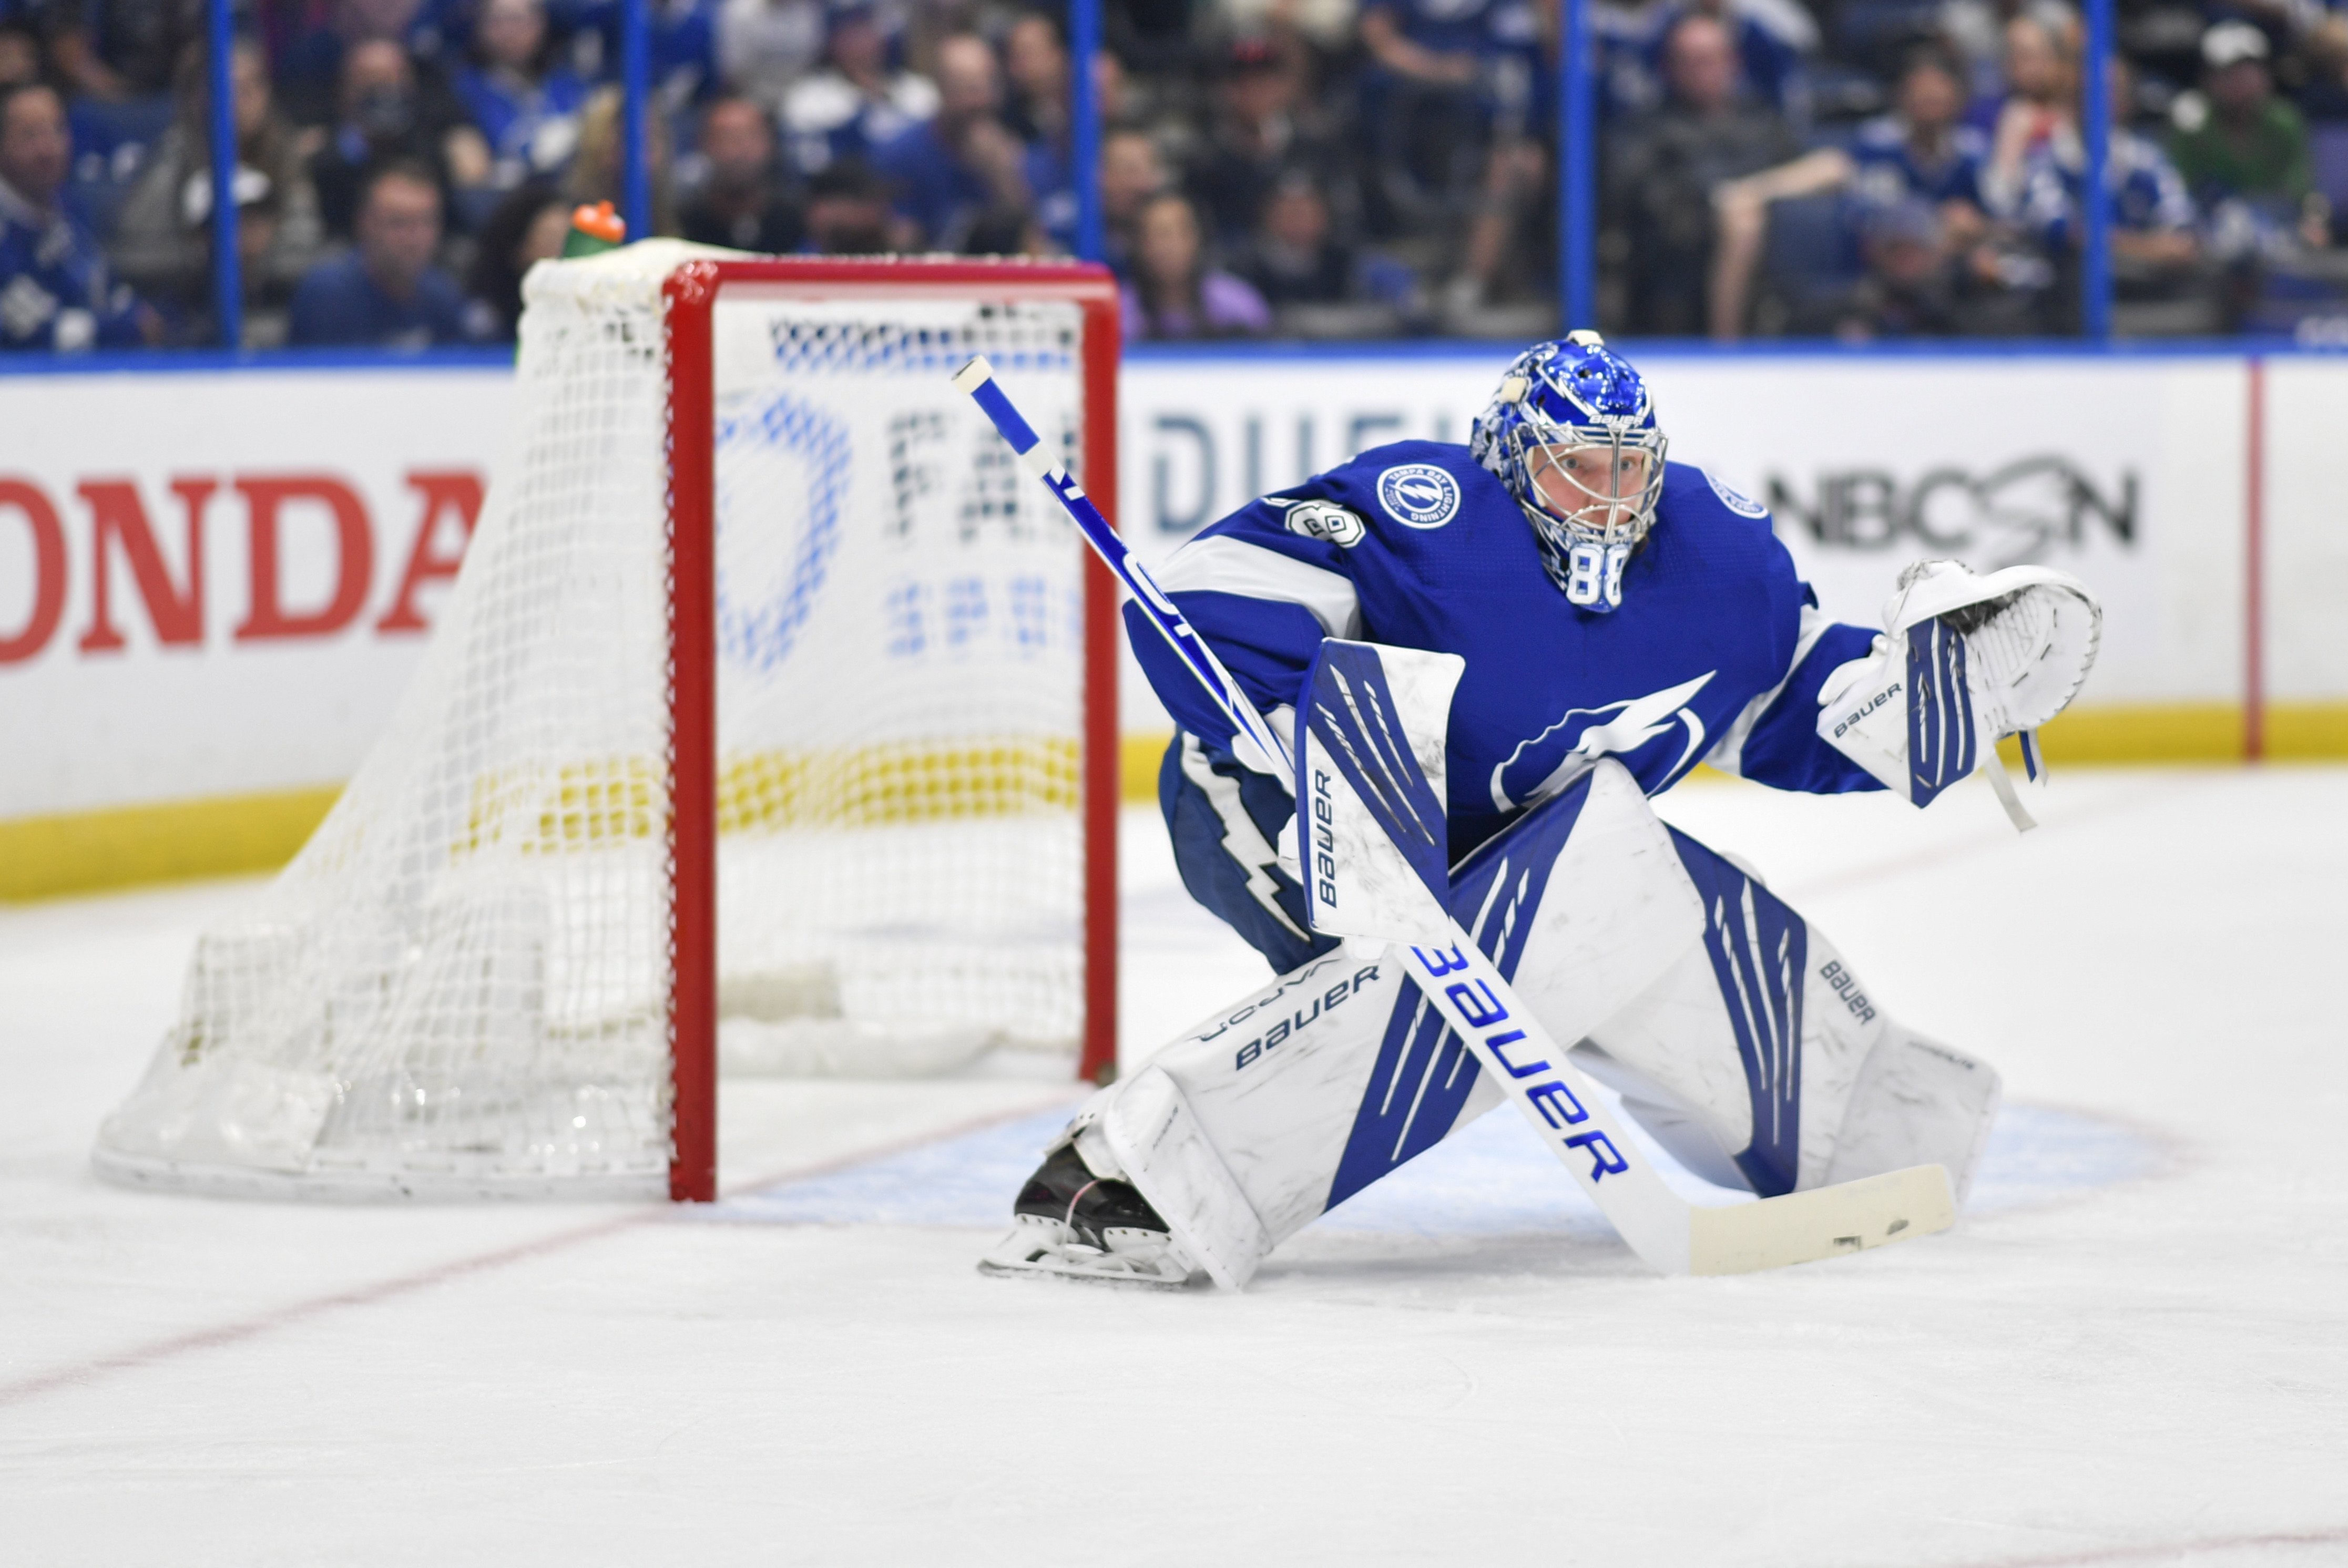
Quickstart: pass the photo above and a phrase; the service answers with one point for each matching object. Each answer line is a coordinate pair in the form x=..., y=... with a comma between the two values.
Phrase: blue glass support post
x=635, y=89
x=1084, y=128
x=2094, y=200
x=228, y=261
x=1577, y=173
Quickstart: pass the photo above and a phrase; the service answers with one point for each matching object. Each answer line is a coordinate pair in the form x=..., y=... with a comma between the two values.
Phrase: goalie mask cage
x=773, y=714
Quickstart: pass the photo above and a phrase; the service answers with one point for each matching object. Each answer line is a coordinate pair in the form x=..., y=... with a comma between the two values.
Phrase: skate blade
x=1039, y=1248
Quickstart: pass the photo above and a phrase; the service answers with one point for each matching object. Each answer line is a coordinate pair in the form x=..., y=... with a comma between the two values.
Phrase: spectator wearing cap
x=857, y=102
x=389, y=293
x=1258, y=139
x=525, y=105
x=2237, y=141
x=964, y=162
x=740, y=201
x=56, y=293
x=163, y=238
x=1173, y=293
x=1909, y=288
x=1664, y=171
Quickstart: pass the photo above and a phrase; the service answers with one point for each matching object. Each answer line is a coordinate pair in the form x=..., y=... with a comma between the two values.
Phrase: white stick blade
x=1826, y=1222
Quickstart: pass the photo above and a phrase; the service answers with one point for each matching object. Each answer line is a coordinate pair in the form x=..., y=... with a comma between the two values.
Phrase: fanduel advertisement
x=213, y=583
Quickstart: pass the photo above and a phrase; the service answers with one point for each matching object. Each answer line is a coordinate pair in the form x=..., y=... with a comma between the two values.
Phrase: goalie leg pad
x=1338, y=1073
x=1917, y=1103
x=1761, y=1060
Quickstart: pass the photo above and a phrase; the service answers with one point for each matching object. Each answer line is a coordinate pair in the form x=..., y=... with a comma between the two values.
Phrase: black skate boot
x=1067, y=1221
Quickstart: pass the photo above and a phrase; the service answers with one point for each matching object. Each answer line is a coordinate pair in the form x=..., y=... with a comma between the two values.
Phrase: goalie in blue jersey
x=1622, y=617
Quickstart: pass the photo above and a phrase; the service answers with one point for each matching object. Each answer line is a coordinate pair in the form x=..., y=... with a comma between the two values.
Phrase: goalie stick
x=1455, y=975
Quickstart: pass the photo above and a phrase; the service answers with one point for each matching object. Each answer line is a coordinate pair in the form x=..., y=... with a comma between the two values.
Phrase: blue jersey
x=1716, y=654
x=1890, y=170
x=55, y=293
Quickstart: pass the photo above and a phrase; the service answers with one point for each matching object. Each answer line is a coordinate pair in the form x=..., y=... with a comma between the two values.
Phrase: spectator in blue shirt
x=1922, y=154
x=965, y=163
x=856, y=104
x=2155, y=227
x=526, y=106
x=55, y=293
x=388, y=293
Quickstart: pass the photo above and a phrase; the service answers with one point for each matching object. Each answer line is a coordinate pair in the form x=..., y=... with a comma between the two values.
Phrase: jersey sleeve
x=1262, y=589
x=1774, y=741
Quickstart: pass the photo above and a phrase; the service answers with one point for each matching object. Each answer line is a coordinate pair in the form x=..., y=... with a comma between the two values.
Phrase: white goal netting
x=462, y=984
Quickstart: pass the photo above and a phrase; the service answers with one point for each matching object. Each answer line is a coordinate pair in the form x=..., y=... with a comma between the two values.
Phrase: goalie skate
x=1070, y=1223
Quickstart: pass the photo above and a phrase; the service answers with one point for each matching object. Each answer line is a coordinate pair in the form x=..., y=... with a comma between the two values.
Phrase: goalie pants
x=1752, y=1052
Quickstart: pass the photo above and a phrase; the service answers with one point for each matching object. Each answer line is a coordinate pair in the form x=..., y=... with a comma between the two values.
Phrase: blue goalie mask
x=1572, y=433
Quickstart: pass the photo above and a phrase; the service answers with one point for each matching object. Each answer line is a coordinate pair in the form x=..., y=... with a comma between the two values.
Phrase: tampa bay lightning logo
x=1419, y=495
x=1743, y=506
x=1545, y=765
x=758, y=622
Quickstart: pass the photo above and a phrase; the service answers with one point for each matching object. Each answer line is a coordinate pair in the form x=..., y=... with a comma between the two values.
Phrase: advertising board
x=213, y=585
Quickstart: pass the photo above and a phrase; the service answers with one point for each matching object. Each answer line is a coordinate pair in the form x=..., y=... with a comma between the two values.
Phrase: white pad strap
x=2002, y=782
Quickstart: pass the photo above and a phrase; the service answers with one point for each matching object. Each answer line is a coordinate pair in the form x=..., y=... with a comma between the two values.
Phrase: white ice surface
x=2133, y=1349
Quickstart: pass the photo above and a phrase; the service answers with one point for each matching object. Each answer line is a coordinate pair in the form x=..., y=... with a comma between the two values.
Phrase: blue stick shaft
x=976, y=380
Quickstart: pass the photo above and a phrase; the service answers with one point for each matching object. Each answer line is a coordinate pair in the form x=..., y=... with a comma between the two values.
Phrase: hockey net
x=771, y=721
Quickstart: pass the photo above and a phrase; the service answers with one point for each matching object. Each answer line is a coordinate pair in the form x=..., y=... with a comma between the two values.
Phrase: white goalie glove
x=1964, y=660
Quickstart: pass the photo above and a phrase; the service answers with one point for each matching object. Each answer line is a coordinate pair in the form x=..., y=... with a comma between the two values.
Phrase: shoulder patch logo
x=1419, y=495
x=1339, y=525
x=1742, y=505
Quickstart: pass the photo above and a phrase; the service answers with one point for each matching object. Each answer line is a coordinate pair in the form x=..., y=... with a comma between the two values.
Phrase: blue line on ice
x=1489, y=1179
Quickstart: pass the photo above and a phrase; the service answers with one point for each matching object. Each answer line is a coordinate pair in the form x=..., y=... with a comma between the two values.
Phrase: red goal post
x=690, y=296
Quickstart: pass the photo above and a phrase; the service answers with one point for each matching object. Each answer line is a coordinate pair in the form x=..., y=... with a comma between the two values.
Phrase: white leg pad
x=1161, y=1149
x=1917, y=1103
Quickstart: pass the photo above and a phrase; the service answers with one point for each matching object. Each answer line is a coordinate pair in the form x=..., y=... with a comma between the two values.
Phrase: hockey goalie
x=1536, y=631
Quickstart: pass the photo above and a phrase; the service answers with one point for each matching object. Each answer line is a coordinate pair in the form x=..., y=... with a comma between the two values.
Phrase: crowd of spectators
x=1860, y=169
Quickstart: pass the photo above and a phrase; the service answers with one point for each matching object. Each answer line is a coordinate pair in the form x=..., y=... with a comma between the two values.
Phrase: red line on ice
x=223, y=1334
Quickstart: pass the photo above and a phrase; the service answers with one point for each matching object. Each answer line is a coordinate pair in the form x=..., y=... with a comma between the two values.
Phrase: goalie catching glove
x=1964, y=660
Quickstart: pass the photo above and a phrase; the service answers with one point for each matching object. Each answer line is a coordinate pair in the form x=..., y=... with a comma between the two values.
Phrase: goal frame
x=689, y=296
